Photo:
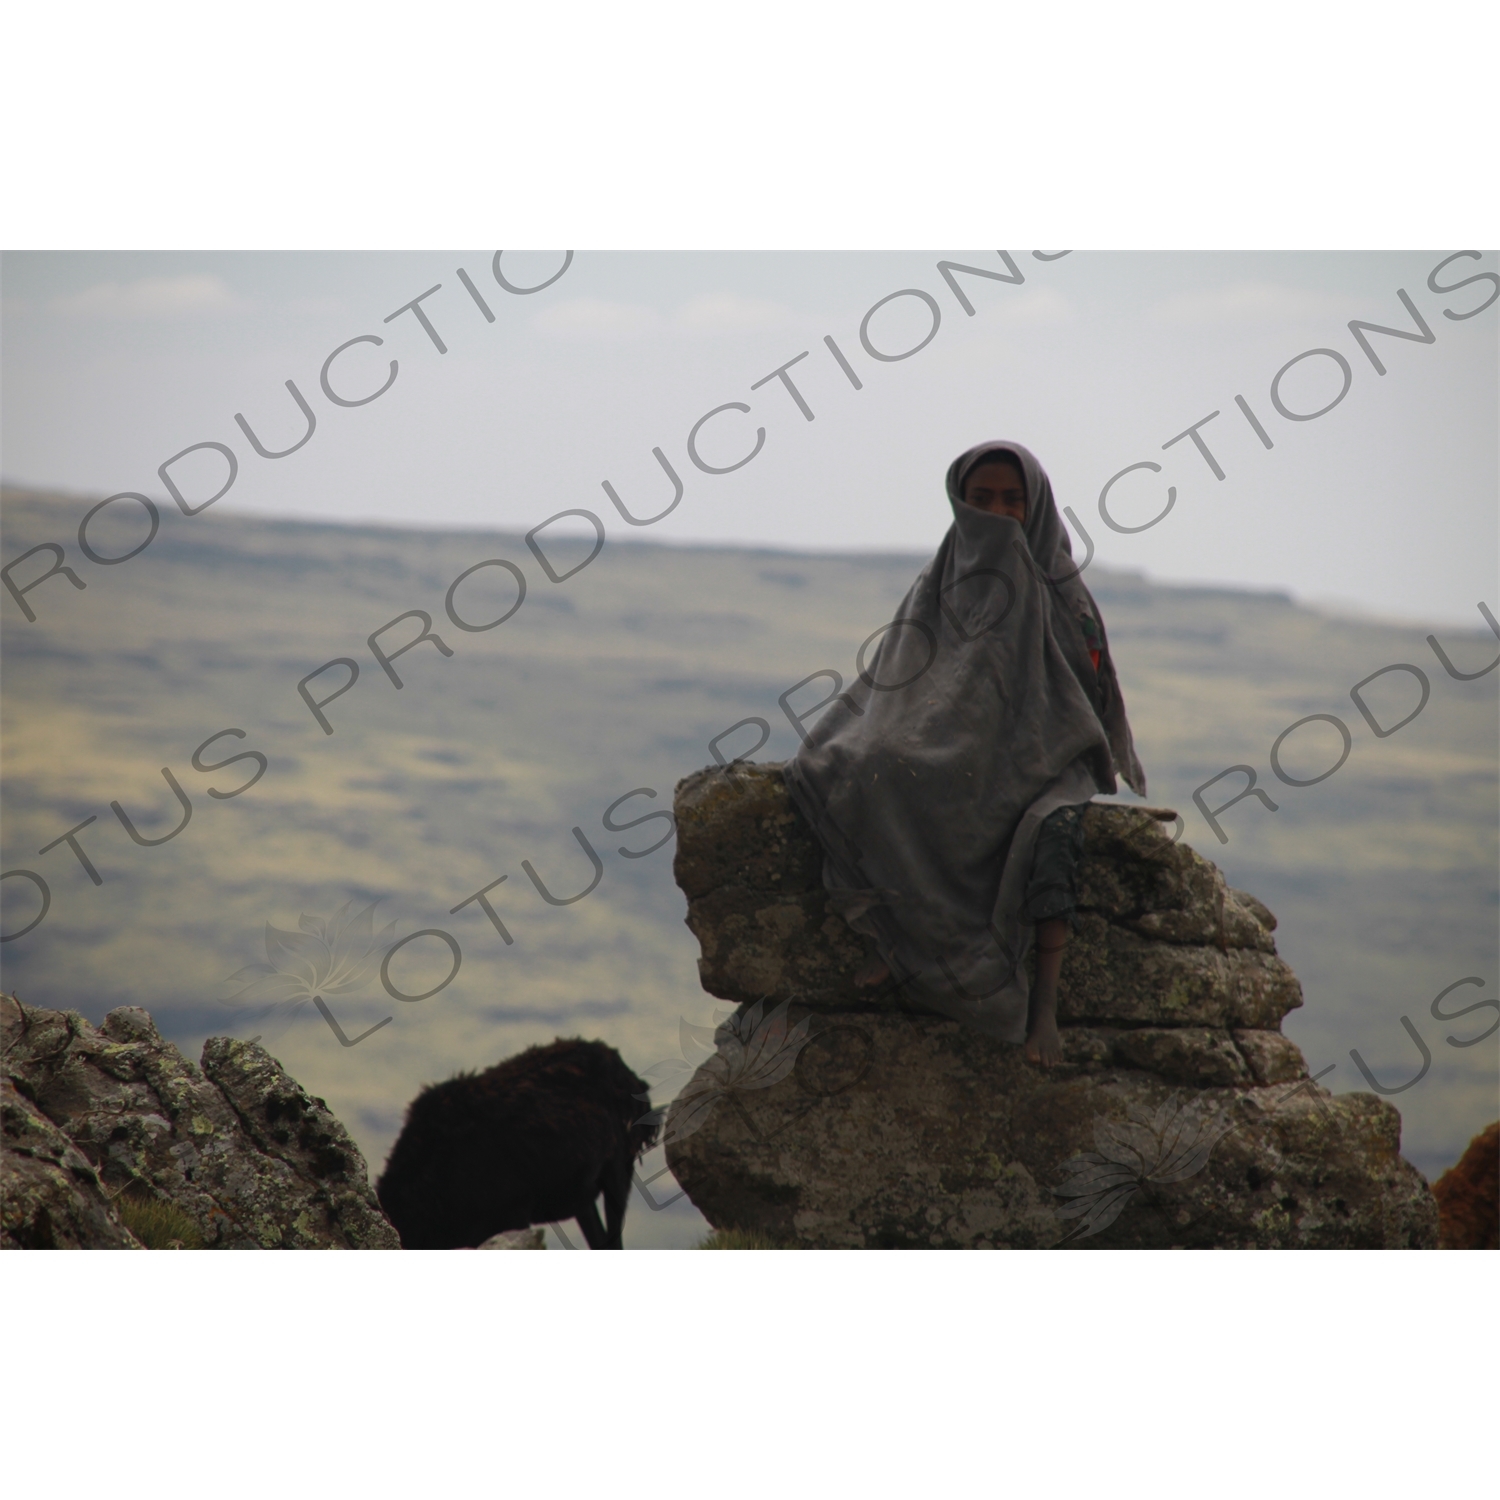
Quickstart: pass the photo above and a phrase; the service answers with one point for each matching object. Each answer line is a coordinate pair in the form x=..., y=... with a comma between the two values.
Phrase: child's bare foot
x=875, y=971
x=1043, y=1044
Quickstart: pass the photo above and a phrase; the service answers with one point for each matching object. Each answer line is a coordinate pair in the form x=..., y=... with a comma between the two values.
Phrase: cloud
x=318, y=307
x=709, y=315
x=725, y=313
x=1245, y=302
x=1036, y=307
x=151, y=297
x=597, y=318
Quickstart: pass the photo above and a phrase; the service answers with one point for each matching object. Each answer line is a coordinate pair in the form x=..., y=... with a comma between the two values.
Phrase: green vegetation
x=740, y=1239
x=158, y=1225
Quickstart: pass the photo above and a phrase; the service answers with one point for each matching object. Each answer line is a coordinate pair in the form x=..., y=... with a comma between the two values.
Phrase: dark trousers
x=1052, y=890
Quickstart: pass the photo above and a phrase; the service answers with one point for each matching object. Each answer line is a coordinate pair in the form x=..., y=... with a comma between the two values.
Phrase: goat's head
x=645, y=1128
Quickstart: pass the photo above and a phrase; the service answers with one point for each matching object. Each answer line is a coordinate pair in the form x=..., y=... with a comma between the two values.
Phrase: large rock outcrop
x=835, y=1116
x=1468, y=1196
x=238, y=1146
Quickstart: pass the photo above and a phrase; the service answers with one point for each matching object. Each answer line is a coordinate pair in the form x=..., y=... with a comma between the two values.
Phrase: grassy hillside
x=1383, y=875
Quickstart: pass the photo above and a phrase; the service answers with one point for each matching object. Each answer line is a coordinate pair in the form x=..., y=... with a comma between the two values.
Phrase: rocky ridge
x=237, y=1145
x=1181, y=1114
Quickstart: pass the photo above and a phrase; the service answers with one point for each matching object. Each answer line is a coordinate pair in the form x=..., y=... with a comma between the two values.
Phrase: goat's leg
x=593, y=1230
x=616, y=1196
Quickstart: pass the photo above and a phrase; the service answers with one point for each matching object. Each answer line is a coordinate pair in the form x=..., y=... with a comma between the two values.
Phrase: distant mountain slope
x=617, y=679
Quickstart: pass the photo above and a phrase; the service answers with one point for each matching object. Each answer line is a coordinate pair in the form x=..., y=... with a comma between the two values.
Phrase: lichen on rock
x=52, y=1197
x=516, y=1239
x=1180, y=1116
x=238, y=1146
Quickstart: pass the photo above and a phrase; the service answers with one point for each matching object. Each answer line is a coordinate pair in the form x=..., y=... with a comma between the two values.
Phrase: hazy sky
x=114, y=362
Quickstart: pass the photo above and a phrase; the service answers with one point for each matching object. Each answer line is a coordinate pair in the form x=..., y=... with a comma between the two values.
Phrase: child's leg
x=1043, y=1045
x=1050, y=898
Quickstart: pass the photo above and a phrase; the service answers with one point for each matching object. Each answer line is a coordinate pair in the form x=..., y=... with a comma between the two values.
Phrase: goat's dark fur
x=532, y=1140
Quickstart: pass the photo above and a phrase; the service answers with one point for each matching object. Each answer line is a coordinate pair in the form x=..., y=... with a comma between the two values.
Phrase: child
x=947, y=784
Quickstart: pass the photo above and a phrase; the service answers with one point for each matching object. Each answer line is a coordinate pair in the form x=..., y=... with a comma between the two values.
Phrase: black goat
x=532, y=1140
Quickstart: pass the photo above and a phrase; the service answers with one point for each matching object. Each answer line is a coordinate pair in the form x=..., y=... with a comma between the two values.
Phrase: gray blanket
x=976, y=713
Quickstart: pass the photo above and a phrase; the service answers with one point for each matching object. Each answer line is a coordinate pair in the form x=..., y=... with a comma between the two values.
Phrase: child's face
x=999, y=489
